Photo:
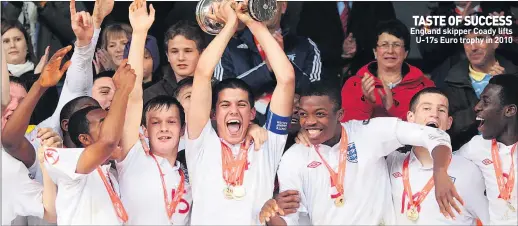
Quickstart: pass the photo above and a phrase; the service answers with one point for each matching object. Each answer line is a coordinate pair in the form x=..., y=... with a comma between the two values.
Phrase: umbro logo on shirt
x=397, y=174
x=314, y=164
x=487, y=161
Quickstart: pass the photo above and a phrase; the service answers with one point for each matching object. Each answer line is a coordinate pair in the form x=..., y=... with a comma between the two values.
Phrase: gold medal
x=511, y=207
x=227, y=193
x=238, y=192
x=412, y=214
x=339, y=201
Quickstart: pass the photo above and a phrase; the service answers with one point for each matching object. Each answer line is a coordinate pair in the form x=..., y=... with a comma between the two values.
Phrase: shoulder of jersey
x=298, y=147
x=297, y=150
x=478, y=139
x=56, y=156
x=457, y=160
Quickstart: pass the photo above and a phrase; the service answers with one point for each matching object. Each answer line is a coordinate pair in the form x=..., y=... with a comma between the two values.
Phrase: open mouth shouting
x=233, y=126
x=481, y=123
x=432, y=124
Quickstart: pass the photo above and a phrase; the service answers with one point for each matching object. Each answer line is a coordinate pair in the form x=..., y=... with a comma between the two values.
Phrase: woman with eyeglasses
x=385, y=86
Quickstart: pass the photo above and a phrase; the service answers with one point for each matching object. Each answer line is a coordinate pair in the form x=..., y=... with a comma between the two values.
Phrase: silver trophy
x=259, y=10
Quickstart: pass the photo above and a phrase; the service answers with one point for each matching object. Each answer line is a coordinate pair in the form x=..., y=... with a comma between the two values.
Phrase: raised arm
x=141, y=21
x=436, y=141
x=282, y=98
x=13, y=138
x=6, y=96
x=78, y=81
x=112, y=126
x=86, y=28
x=201, y=88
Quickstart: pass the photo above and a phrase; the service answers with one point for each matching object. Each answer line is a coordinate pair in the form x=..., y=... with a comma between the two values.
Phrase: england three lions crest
x=352, y=156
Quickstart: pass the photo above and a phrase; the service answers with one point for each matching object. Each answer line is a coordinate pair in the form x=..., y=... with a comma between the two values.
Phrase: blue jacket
x=242, y=60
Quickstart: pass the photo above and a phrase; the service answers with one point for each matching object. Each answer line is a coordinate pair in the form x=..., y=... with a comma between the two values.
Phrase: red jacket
x=357, y=107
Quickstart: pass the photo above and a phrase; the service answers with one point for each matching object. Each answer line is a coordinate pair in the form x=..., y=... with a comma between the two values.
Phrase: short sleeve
x=195, y=147
x=290, y=178
x=61, y=164
x=137, y=151
x=381, y=130
x=276, y=145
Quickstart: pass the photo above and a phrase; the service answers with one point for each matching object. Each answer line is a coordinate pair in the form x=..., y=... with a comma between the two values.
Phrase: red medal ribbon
x=171, y=206
x=233, y=168
x=505, y=188
x=408, y=189
x=117, y=204
x=337, y=178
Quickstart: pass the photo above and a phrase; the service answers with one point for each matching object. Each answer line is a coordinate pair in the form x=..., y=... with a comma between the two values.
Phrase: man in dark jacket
x=244, y=59
x=467, y=79
x=440, y=57
x=184, y=42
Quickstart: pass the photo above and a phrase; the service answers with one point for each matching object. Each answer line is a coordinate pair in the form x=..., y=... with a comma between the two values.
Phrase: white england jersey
x=478, y=150
x=466, y=177
x=21, y=196
x=210, y=207
x=367, y=191
x=142, y=193
x=82, y=199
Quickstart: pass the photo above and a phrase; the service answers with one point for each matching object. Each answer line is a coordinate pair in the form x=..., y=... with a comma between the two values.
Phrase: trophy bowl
x=259, y=10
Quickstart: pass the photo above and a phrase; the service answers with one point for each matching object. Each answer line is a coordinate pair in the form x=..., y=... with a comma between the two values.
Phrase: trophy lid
x=206, y=24
x=262, y=10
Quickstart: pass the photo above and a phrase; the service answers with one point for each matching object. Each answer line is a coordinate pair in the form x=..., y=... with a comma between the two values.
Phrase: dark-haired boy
x=341, y=178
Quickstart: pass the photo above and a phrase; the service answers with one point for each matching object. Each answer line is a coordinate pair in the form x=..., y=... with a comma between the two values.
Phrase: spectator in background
x=467, y=79
x=18, y=48
x=113, y=41
x=440, y=57
x=20, y=63
x=151, y=61
x=48, y=23
x=343, y=32
x=244, y=59
x=184, y=42
x=384, y=87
